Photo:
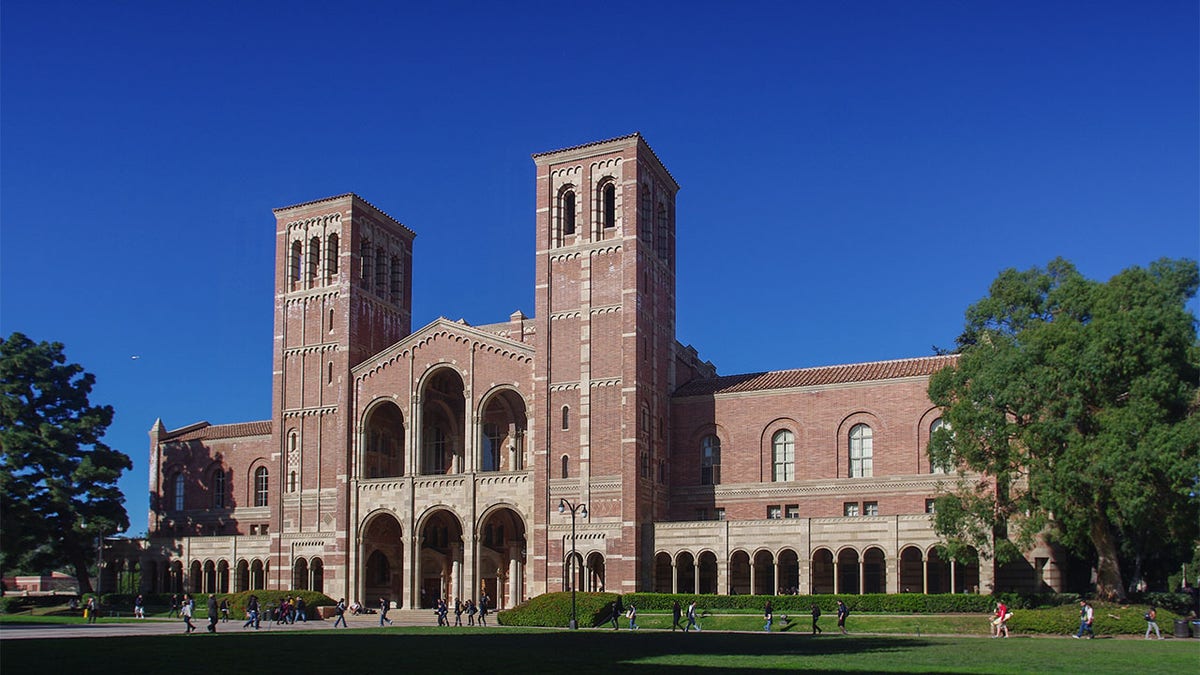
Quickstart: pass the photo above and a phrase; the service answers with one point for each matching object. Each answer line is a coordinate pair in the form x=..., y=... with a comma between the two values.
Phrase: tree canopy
x=58, y=481
x=1071, y=415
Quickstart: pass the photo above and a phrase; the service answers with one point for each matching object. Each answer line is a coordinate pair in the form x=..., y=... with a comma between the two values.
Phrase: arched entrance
x=500, y=564
x=317, y=571
x=662, y=573
x=241, y=577
x=443, y=406
x=912, y=570
x=383, y=442
x=874, y=571
x=595, y=572
x=708, y=572
x=300, y=575
x=383, y=560
x=502, y=432
x=441, y=559
x=764, y=573
x=223, y=576
x=739, y=573
x=685, y=567
x=848, y=572
x=789, y=572
x=822, y=572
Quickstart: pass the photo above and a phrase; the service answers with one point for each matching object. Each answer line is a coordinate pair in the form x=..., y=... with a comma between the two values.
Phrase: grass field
x=516, y=650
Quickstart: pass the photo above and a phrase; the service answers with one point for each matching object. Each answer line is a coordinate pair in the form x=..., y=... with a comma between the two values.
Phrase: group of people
x=468, y=607
x=842, y=613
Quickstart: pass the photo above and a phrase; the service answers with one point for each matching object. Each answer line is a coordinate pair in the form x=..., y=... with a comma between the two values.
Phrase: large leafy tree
x=1071, y=415
x=58, y=488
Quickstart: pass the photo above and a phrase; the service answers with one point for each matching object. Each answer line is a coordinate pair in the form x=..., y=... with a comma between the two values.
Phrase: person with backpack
x=769, y=616
x=1152, y=622
x=340, y=609
x=691, y=618
x=816, y=615
x=251, y=613
x=676, y=615
x=842, y=612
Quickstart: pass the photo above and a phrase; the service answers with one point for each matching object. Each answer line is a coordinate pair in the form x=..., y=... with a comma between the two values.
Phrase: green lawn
x=516, y=650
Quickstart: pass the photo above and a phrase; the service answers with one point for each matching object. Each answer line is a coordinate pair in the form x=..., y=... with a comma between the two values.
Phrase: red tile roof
x=811, y=377
x=211, y=432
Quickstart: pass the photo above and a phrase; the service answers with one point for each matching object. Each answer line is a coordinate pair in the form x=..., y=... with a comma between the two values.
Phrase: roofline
x=539, y=158
x=354, y=197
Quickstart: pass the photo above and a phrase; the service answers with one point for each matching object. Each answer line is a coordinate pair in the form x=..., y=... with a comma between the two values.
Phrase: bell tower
x=605, y=326
x=343, y=292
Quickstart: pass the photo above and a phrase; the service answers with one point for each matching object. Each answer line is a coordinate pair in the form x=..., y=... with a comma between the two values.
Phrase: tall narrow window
x=381, y=276
x=365, y=258
x=178, y=491
x=218, y=488
x=661, y=237
x=292, y=482
x=314, y=259
x=296, y=262
x=261, y=484
x=608, y=205
x=434, y=460
x=933, y=429
x=645, y=214
x=783, y=456
x=493, y=438
x=566, y=467
x=394, y=284
x=331, y=258
x=710, y=460
x=566, y=214
x=566, y=418
x=861, y=452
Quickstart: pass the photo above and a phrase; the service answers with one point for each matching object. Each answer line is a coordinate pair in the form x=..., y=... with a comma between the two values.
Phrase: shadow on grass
x=431, y=650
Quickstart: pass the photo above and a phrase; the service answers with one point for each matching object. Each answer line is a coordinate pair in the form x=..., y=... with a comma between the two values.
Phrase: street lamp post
x=563, y=507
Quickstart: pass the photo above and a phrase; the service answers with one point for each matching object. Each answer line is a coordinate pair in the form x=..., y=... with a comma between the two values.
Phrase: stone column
x=837, y=581
x=722, y=577
x=924, y=574
x=696, y=575
x=674, y=576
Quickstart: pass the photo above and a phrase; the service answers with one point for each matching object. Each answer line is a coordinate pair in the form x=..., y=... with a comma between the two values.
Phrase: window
x=566, y=418
x=645, y=421
x=608, y=205
x=645, y=465
x=850, y=509
x=178, y=489
x=364, y=255
x=218, y=488
x=933, y=429
x=260, y=486
x=314, y=259
x=774, y=512
x=296, y=262
x=710, y=460
x=331, y=258
x=870, y=508
x=565, y=467
x=783, y=454
x=394, y=285
x=493, y=437
x=292, y=482
x=434, y=460
x=719, y=513
x=566, y=212
x=930, y=506
x=861, y=452
x=661, y=238
x=381, y=270
x=791, y=511
x=662, y=471
x=644, y=214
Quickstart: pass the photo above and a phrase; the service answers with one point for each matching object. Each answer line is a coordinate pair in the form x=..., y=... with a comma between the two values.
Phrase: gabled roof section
x=203, y=431
x=541, y=158
x=345, y=195
x=439, y=324
x=815, y=377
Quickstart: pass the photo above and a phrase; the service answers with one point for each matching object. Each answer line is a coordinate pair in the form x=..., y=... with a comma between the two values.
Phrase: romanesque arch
x=789, y=572
x=443, y=409
x=739, y=573
x=764, y=573
x=502, y=428
x=383, y=558
x=685, y=567
x=707, y=569
x=500, y=563
x=441, y=558
x=662, y=573
x=300, y=575
x=874, y=570
x=242, y=576
x=595, y=572
x=912, y=570
x=821, y=572
x=382, y=441
x=848, y=572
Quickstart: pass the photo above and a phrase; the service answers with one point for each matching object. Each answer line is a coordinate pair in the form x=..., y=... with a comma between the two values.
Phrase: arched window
x=566, y=418
x=566, y=467
x=331, y=258
x=939, y=423
x=710, y=460
x=381, y=272
x=566, y=212
x=178, y=491
x=314, y=259
x=218, y=488
x=783, y=456
x=292, y=482
x=296, y=261
x=861, y=452
x=365, y=258
x=608, y=205
x=260, y=486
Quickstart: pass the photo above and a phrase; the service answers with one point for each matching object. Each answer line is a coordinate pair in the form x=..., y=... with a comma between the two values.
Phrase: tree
x=1071, y=414
x=58, y=489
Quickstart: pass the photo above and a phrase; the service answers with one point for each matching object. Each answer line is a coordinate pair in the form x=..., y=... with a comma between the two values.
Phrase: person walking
x=458, y=612
x=470, y=612
x=632, y=614
x=676, y=616
x=91, y=609
x=174, y=613
x=816, y=616
x=251, y=612
x=1152, y=622
x=340, y=609
x=691, y=618
x=483, y=609
x=383, y=610
x=842, y=612
x=769, y=616
x=213, y=614
x=224, y=610
x=186, y=611
x=139, y=607
x=613, y=610
x=1086, y=617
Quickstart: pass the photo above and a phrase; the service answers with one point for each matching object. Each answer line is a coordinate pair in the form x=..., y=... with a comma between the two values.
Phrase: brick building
x=427, y=463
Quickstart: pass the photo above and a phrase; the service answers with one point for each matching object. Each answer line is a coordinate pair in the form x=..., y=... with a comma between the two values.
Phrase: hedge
x=554, y=609
x=894, y=603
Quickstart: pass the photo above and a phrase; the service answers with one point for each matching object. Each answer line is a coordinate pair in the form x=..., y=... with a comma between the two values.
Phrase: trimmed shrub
x=554, y=609
x=270, y=599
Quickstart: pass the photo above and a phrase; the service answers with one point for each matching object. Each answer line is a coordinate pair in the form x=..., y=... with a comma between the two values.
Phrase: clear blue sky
x=853, y=174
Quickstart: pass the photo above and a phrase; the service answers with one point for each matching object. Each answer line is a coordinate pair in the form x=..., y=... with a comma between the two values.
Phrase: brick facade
x=427, y=463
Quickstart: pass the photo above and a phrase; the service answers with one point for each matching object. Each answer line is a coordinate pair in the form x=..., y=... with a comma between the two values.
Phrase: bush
x=269, y=599
x=554, y=609
x=1108, y=619
x=12, y=605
